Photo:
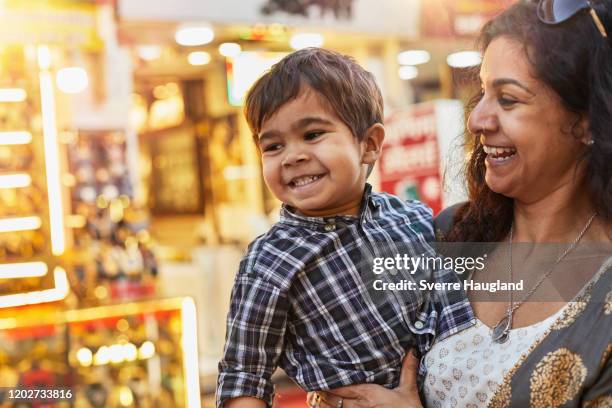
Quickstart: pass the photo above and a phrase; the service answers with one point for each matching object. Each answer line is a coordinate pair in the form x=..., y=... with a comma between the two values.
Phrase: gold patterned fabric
x=557, y=379
x=570, y=366
x=605, y=401
x=571, y=312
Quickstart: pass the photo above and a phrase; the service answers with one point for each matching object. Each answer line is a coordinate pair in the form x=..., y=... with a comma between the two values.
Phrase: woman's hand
x=406, y=394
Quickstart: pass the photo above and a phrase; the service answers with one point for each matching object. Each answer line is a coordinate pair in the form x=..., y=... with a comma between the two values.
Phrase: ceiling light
x=464, y=59
x=413, y=57
x=230, y=49
x=194, y=35
x=72, y=80
x=148, y=52
x=408, y=72
x=305, y=40
x=199, y=58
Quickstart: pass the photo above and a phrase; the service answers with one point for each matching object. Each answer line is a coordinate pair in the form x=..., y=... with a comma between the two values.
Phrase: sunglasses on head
x=558, y=11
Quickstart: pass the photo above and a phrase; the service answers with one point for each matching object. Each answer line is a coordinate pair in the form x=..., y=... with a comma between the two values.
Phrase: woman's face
x=524, y=129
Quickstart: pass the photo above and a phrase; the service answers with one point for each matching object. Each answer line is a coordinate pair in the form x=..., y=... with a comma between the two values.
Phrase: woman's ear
x=372, y=142
x=586, y=137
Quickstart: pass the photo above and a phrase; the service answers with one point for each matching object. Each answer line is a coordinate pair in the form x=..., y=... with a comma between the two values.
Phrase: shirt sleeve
x=254, y=340
x=443, y=312
x=452, y=305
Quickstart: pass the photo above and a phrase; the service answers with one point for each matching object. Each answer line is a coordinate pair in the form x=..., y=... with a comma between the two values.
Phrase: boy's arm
x=254, y=342
x=443, y=312
x=245, y=402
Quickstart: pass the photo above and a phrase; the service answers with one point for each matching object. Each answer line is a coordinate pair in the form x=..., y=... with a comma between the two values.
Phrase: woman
x=540, y=172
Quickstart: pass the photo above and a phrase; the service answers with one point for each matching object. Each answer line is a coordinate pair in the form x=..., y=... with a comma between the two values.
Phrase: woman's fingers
x=329, y=400
x=408, y=375
x=359, y=391
x=371, y=395
x=312, y=399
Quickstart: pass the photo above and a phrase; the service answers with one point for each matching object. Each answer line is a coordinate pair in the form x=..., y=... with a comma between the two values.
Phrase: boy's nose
x=294, y=157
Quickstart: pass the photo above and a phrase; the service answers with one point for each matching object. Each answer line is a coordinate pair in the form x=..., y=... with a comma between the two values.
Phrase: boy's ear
x=372, y=142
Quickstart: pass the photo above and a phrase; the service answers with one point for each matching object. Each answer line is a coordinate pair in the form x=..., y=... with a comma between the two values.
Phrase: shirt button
x=419, y=324
x=330, y=227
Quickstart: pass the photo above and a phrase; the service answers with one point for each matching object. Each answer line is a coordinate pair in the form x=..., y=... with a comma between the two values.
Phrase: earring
x=590, y=142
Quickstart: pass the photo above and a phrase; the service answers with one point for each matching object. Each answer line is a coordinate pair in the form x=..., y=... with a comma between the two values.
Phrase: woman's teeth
x=302, y=181
x=499, y=153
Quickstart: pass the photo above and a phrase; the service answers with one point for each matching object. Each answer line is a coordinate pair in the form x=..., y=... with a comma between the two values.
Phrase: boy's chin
x=314, y=210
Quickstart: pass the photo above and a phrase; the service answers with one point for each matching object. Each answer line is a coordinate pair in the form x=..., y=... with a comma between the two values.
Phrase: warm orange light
x=23, y=270
x=18, y=180
x=20, y=224
x=15, y=138
x=59, y=292
x=12, y=95
x=189, y=342
x=54, y=188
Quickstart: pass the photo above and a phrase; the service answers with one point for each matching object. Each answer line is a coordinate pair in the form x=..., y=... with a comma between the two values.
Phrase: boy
x=301, y=299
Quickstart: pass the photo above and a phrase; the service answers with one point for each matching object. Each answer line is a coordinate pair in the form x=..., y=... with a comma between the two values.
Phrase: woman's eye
x=313, y=135
x=506, y=102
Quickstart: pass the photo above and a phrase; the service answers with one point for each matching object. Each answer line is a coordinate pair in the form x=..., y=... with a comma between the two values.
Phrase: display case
x=31, y=213
x=141, y=354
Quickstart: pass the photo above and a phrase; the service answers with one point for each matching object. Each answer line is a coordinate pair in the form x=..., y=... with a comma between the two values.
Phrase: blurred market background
x=129, y=184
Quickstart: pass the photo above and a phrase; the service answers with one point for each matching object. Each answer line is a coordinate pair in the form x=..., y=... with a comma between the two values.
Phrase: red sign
x=410, y=161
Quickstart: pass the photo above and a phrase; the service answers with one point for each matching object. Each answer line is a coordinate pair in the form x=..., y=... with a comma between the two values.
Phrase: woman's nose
x=483, y=118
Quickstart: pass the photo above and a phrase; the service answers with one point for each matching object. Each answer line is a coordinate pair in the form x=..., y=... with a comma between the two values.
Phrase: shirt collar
x=289, y=216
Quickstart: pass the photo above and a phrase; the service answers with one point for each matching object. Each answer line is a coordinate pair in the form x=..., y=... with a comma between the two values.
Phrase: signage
x=420, y=145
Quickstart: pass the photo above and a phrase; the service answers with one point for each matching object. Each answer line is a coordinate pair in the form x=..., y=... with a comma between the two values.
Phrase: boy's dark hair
x=350, y=90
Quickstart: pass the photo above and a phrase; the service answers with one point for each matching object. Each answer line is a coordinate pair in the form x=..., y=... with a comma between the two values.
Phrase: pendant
x=501, y=332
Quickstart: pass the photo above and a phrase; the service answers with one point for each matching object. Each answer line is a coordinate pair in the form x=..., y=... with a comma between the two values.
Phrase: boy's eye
x=313, y=135
x=271, y=147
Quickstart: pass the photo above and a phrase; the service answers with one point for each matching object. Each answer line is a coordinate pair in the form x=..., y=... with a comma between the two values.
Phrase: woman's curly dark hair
x=575, y=61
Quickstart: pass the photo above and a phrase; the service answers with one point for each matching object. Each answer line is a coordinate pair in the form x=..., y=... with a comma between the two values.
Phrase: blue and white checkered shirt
x=303, y=300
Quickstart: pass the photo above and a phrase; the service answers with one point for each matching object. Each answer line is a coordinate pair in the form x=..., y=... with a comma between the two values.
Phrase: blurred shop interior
x=130, y=186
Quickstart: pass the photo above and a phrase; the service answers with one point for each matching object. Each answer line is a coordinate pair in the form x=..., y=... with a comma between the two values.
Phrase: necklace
x=501, y=331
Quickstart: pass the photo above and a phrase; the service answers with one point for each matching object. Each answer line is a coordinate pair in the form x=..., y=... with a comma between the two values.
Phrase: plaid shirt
x=303, y=300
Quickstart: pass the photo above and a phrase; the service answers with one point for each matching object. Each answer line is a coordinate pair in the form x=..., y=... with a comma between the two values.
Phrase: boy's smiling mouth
x=302, y=181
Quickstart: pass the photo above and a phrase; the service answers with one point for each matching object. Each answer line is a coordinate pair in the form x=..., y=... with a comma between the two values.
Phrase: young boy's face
x=311, y=159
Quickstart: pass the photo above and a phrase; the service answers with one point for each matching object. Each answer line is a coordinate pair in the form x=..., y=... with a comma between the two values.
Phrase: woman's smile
x=499, y=155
